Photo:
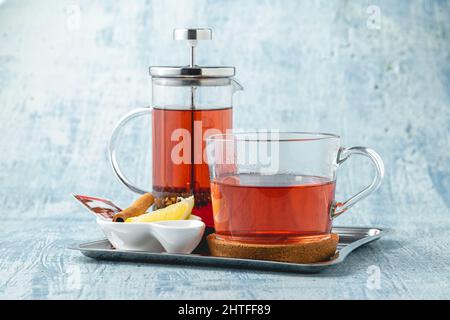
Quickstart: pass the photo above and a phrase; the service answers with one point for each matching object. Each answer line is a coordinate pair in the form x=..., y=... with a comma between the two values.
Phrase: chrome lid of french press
x=192, y=71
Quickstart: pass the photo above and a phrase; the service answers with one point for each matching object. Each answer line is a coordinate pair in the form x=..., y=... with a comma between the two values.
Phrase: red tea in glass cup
x=269, y=204
x=279, y=187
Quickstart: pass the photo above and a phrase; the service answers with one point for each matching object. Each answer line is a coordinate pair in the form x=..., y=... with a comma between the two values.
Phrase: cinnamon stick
x=137, y=208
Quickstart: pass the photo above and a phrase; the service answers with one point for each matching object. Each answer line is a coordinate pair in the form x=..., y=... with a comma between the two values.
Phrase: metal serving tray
x=350, y=238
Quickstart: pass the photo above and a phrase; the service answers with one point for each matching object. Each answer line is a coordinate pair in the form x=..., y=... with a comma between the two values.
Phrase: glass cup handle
x=339, y=208
x=112, y=147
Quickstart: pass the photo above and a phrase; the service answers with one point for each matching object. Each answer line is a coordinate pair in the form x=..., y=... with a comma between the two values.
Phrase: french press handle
x=113, y=142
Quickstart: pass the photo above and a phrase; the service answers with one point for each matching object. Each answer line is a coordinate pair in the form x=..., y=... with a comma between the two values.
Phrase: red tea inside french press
x=189, y=103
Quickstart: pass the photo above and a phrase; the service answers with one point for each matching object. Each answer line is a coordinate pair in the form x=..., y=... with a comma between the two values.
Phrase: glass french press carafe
x=189, y=103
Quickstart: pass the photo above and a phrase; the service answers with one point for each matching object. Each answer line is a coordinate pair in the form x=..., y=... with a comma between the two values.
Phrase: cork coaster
x=308, y=252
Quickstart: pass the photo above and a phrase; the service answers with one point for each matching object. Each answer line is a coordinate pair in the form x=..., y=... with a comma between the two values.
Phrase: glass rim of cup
x=272, y=136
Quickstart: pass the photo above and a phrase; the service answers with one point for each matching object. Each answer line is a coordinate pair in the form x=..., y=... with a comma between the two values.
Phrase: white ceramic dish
x=174, y=236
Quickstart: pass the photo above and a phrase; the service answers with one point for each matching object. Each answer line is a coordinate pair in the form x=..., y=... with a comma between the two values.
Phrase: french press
x=189, y=103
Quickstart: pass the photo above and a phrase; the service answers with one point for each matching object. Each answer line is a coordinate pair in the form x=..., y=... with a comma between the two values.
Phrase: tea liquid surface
x=272, y=209
x=191, y=175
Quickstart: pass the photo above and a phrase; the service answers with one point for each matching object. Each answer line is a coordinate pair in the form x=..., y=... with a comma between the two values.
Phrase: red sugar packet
x=102, y=208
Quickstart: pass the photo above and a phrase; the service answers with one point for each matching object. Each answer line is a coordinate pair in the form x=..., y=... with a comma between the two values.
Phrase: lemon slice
x=177, y=211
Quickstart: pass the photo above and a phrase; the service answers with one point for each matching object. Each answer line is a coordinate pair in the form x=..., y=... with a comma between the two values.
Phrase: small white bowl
x=174, y=236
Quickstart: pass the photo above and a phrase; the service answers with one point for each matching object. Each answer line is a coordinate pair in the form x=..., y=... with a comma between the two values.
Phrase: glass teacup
x=275, y=187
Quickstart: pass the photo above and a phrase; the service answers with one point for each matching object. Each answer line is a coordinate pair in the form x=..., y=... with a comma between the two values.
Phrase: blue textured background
x=305, y=65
